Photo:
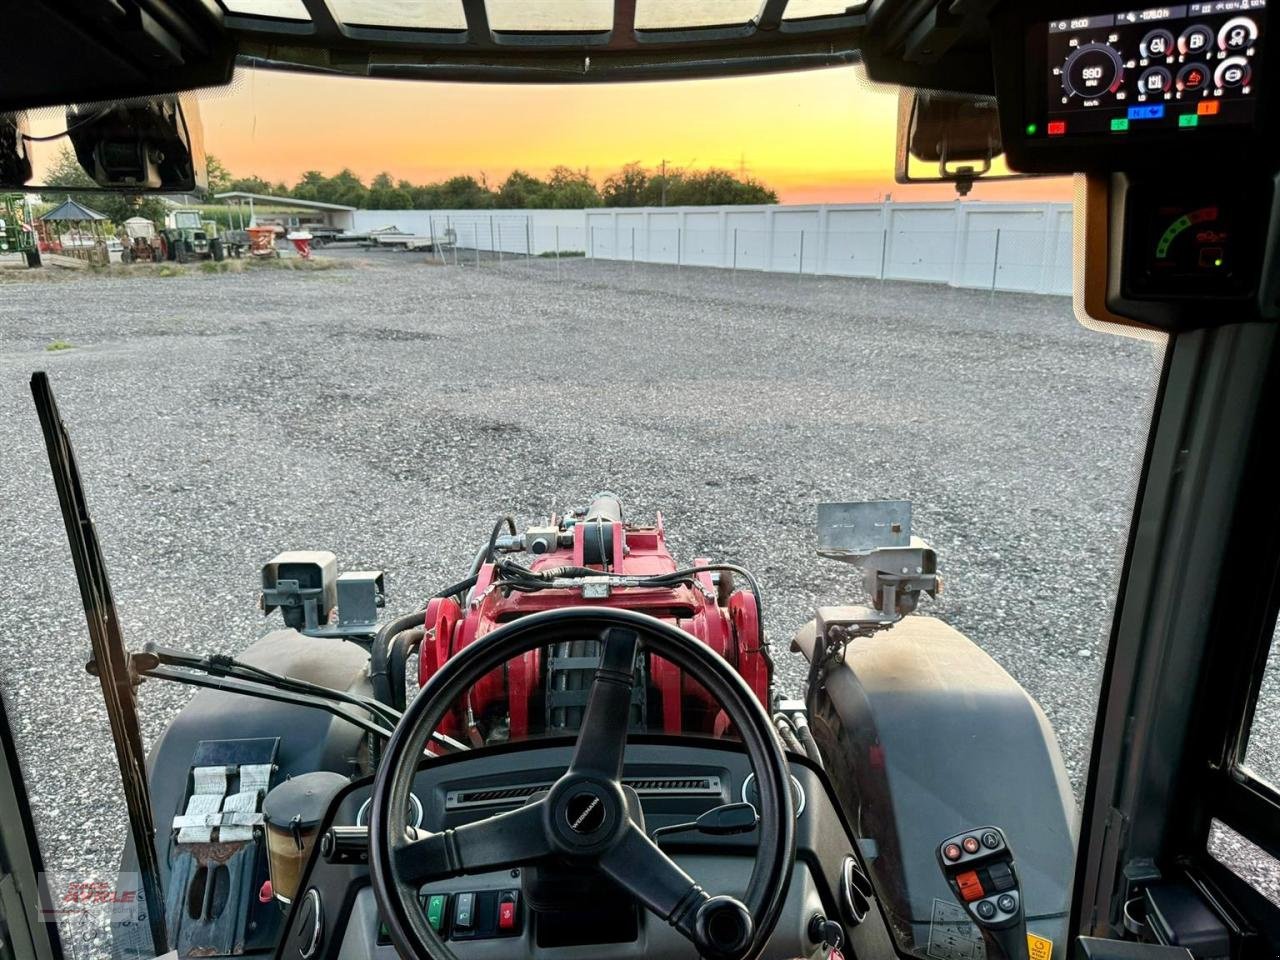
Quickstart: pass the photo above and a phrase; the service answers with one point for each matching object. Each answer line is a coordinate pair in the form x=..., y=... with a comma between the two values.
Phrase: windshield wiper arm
x=222, y=665
x=232, y=676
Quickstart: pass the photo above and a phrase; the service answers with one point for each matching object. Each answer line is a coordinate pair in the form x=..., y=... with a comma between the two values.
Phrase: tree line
x=563, y=188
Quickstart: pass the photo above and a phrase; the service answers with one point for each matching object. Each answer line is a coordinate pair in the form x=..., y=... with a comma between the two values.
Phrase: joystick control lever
x=979, y=868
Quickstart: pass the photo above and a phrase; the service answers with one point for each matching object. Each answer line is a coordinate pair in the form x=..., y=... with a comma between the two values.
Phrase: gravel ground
x=389, y=410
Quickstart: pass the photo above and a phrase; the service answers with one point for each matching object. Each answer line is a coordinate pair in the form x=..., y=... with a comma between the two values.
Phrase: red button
x=1057, y=128
x=970, y=886
x=951, y=851
x=970, y=844
x=506, y=915
x=1207, y=108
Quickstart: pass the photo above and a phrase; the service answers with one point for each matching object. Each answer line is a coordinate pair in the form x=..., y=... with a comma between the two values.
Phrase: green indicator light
x=1032, y=129
x=1119, y=124
x=1189, y=120
x=1218, y=262
x=435, y=911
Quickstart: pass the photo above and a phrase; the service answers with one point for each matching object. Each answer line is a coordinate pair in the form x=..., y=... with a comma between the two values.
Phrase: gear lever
x=978, y=865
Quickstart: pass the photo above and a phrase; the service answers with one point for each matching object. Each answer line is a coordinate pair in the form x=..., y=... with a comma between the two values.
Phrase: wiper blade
x=111, y=660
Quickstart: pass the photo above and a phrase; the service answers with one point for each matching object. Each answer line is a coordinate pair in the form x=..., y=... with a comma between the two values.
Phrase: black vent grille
x=645, y=786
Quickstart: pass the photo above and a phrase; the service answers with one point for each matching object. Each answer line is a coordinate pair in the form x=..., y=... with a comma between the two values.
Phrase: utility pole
x=664, y=183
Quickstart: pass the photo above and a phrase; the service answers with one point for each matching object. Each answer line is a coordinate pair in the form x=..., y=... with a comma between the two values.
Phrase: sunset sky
x=818, y=136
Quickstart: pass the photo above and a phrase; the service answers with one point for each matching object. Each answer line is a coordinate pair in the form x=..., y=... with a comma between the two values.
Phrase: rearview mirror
x=954, y=137
x=153, y=144
x=135, y=147
x=15, y=161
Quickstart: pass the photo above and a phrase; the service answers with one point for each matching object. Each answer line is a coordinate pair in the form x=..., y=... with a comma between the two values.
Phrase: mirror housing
x=15, y=160
x=155, y=144
x=957, y=134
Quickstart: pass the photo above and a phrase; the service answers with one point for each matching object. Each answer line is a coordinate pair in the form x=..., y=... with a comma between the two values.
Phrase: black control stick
x=978, y=865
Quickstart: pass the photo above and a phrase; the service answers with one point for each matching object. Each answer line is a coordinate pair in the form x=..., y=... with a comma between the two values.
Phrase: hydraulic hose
x=380, y=653
x=402, y=645
x=805, y=736
x=380, y=656
x=492, y=553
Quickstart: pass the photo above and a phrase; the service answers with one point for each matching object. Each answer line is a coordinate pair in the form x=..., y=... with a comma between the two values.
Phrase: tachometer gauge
x=1093, y=70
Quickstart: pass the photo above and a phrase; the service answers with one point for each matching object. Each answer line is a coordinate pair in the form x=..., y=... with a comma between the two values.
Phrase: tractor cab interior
x=599, y=762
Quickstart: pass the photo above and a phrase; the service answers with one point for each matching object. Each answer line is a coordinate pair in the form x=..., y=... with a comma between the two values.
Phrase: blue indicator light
x=1155, y=112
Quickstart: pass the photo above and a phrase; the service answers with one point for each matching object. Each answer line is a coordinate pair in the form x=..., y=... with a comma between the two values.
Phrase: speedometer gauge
x=1092, y=70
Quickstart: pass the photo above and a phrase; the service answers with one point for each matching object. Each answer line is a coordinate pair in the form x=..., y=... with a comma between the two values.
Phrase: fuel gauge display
x=1195, y=242
x=1198, y=247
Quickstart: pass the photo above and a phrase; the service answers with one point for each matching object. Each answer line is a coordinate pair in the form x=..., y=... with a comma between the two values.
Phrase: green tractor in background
x=17, y=234
x=186, y=236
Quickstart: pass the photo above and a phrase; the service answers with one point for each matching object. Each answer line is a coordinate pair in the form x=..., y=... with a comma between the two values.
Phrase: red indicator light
x=1057, y=128
x=1207, y=108
x=506, y=915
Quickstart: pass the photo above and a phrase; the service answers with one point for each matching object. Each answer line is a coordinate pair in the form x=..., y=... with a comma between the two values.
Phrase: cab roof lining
x=131, y=48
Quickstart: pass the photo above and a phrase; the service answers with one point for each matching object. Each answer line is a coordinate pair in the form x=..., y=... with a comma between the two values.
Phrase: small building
x=287, y=213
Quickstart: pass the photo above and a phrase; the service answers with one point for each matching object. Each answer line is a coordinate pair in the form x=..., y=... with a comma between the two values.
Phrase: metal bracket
x=896, y=568
x=876, y=536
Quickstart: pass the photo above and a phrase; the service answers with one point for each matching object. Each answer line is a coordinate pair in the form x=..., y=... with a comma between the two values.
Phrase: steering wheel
x=587, y=819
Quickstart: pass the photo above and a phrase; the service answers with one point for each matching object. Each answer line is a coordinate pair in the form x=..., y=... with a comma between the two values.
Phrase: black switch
x=1001, y=877
x=464, y=909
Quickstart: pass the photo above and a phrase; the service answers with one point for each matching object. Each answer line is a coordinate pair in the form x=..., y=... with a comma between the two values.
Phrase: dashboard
x=1174, y=68
x=1168, y=108
x=534, y=912
x=1094, y=84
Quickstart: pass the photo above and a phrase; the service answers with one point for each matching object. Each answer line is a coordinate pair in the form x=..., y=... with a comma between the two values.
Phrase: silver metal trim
x=799, y=793
x=362, y=815
x=309, y=951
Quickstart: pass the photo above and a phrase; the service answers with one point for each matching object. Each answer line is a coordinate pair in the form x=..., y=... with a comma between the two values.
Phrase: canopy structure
x=330, y=214
x=75, y=230
x=73, y=211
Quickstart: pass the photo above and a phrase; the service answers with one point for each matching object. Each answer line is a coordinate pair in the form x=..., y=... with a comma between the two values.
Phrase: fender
x=922, y=732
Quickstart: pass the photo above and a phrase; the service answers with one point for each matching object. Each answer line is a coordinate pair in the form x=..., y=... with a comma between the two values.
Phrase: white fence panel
x=1003, y=246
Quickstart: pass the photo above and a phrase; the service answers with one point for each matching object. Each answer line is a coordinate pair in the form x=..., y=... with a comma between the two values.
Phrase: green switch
x=1189, y=120
x=1119, y=124
x=435, y=911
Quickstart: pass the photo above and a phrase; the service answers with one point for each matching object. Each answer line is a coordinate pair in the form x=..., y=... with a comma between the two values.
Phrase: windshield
x=428, y=307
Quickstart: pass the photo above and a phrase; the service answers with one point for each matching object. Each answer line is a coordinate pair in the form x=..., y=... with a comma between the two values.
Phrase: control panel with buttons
x=474, y=914
x=979, y=868
x=471, y=915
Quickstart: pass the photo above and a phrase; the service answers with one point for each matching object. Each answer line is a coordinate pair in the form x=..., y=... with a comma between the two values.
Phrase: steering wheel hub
x=586, y=815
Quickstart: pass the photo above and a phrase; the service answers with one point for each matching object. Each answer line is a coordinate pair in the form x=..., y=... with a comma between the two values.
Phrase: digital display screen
x=1178, y=68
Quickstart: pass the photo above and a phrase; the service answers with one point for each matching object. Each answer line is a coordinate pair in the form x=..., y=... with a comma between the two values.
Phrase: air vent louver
x=499, y=796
